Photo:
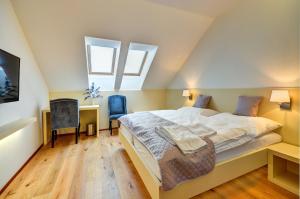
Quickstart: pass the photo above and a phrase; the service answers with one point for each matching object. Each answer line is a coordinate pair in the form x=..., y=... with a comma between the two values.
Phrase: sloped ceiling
x=211, y=8
x=55, y=30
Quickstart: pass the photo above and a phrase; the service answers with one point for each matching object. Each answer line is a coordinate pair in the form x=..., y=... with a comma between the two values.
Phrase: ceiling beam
x=121, y=65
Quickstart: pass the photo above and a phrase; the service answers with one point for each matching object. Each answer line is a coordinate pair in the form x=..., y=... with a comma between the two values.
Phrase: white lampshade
x=280, y=96
x=186, y=93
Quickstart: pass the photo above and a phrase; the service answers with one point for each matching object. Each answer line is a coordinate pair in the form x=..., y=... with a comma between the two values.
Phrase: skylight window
x=135, y=62
x=138, y=62
x=101, y=59
x=114, y=67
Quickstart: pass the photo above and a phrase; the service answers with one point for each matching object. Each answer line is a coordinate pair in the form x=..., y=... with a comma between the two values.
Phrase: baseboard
x=108, y=129
x=22, y=167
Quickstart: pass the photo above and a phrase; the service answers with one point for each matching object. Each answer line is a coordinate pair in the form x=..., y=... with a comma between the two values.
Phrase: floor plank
x=101, y=168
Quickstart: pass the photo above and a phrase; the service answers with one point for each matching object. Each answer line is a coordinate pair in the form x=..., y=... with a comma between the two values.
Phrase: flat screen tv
x=9, y=77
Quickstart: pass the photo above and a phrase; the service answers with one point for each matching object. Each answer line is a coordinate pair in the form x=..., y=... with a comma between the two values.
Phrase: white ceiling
x=55, y=30
x=211, y=8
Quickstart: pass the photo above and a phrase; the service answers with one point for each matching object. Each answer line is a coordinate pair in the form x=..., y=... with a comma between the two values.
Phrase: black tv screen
x=9, y=77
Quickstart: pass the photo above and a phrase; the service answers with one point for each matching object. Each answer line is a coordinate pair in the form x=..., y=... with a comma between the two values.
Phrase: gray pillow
x=248, y=105
x=202, y=101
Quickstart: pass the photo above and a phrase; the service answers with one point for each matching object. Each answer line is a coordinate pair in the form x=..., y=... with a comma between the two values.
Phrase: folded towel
x=200, y=130
x=186, y=141
x=233, y=134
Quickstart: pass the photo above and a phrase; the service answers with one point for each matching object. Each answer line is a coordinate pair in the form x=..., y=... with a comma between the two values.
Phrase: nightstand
x=283, y=166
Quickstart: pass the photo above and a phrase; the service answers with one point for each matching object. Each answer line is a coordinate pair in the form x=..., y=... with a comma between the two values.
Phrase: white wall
x=253, y=45
x=17, y=148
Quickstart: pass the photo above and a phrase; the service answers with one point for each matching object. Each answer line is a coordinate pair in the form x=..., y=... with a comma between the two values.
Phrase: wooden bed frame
x=223, y=172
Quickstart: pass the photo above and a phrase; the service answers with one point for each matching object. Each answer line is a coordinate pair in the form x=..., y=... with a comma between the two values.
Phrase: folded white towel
x=233, y=134
x=183, y=138
x=200, y=130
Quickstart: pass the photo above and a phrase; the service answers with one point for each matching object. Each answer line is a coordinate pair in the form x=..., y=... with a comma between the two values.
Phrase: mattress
x=152, y=164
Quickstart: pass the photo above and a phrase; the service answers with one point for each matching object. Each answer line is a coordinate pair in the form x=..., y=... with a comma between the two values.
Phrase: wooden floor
x=100, y=168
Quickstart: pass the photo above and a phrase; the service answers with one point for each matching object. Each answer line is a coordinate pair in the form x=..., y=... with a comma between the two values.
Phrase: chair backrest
x=117, y=104
x=64, y=113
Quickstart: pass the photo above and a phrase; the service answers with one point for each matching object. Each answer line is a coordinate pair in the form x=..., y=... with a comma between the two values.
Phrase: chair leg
x=79, y=129
x=76, y=135
x=110, y=127
x=52, y=138
x=55, y=133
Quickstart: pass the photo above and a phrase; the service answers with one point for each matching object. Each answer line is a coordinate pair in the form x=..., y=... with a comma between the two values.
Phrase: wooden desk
x=283, y=166
x=88, y=114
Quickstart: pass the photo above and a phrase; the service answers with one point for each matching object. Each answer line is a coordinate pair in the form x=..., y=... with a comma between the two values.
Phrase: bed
x=230, y=164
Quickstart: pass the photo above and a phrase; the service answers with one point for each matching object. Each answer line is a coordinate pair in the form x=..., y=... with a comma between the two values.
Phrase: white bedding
x=223, y=135
x=186, y=116
x=253, y=126
x=230, y=130
x=222, y=123
x=233, y=135
x=255, y=144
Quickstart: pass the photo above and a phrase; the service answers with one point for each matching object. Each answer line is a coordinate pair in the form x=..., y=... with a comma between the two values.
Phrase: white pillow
x=264, y=125
x=202, y=111
x=253, y=126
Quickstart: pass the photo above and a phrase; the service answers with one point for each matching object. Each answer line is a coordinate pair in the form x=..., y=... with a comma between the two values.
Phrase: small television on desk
x=9, y=77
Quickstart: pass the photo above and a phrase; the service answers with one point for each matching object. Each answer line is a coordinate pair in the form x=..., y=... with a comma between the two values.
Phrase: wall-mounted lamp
x=282, y=97
x=187, y=93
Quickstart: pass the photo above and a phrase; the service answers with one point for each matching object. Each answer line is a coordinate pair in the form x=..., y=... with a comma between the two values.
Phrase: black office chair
x=64, y=113
x=117, y=108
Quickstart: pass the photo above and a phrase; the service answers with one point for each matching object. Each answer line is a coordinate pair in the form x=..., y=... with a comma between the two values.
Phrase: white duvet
x=186, y=116
x=229, y=131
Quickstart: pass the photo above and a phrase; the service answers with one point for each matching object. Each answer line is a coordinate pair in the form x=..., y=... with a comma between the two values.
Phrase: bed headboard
x=225, y=100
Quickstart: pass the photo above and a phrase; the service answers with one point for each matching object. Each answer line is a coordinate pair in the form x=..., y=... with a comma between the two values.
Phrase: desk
x=88, y=114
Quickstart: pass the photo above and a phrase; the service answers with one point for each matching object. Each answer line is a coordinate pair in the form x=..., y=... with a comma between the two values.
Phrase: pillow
x=202, y=101
x=248, y=105
x=263, y=125
x=252, y=126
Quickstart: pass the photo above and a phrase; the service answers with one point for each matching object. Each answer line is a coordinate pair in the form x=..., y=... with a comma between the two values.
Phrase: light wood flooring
x=100, y=168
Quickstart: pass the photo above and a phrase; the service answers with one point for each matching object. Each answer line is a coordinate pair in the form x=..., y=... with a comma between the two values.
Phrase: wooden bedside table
x=283, y=166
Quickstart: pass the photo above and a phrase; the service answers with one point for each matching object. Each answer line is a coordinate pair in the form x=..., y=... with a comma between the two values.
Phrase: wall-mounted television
x=9, y=77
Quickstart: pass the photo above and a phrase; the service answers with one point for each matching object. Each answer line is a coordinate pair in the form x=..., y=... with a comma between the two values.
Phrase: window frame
x=90, y=64
x=141, y=67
